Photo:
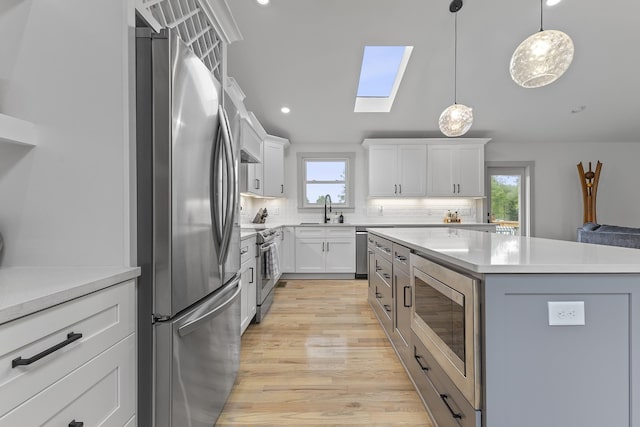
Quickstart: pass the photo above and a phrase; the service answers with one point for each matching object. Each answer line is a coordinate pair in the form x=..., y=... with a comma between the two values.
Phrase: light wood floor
x=321, y=358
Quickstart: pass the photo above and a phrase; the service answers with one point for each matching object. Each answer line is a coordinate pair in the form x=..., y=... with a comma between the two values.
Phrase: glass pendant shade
x=456, y=120
x=541, y=59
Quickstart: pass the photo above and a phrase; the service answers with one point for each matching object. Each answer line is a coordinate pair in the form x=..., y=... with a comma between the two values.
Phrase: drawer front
x=384, y=269
x=383, y=247
x=247, y=250
x=371, y=241
x=103, y=318
x=310, y=232
x=440, y=394
x=340, y=232
x=384, y=291
x=401, y=257
x=100, y=392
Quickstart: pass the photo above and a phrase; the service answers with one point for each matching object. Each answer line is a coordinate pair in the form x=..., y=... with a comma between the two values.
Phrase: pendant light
x=542, y=58
x=456, y=119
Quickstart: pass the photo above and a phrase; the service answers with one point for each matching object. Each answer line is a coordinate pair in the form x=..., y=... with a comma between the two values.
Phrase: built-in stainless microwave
x=446, y=318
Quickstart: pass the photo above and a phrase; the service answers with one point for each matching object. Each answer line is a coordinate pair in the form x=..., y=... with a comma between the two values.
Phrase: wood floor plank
x=320, y=358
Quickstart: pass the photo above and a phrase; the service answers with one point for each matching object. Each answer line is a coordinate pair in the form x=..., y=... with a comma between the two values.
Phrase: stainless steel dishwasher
x=361, y=252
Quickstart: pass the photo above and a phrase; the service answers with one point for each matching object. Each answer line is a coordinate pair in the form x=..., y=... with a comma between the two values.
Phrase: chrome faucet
x=326, y=218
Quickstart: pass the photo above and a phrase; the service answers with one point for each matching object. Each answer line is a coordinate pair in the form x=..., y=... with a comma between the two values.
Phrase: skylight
x=380, y=77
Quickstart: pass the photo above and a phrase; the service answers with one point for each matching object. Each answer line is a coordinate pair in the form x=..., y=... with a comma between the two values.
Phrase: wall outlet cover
x=563, y=313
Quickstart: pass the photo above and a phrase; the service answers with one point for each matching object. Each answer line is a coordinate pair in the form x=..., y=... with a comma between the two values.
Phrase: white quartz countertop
x=247, y=234
x=247, y=227
x=25, y=290
x=483, y=252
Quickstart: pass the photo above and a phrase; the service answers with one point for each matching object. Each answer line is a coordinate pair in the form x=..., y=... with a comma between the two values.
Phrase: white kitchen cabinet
x=267, y=178
x=17, y=131
x=397, y=170
x=325, y=250
x=90, y=379
x=248, y=291
x=455, y=170
x=288, y=253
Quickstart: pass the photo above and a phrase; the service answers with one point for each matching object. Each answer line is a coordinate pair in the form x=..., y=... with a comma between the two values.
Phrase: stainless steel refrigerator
x=188, y=237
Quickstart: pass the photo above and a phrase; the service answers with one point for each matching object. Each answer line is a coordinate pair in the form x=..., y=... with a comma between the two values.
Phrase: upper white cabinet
x=455, y=170
x=267, y=178
x=397, y=170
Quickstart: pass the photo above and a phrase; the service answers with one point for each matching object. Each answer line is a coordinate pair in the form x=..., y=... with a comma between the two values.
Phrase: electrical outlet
x=566, y=313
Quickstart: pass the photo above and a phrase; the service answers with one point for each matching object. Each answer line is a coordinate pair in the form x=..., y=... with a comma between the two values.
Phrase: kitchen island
x=545, y=335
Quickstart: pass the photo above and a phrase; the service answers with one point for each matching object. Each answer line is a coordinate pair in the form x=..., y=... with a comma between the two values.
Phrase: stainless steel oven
x=446, y=318
x=268, y=270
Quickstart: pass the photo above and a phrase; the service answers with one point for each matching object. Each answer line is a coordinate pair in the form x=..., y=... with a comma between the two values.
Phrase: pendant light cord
x=541, y=15
x=455, y=58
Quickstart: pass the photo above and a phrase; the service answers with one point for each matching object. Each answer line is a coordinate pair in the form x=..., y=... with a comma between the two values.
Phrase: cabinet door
x=245, y=276
x=440, y=181
x=382, y=171
x=288, y=254
x=255, y=182
x=310, y=255
x=412, y=170
x=252, y=291
x=273, y=173
x=470, y=170
x=340, y=256
x=403, y=301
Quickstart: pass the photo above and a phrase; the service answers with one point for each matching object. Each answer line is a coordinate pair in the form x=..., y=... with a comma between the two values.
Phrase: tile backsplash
x=375, y=210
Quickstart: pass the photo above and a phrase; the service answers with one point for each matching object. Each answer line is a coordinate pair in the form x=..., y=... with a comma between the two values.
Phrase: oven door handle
x=266, y=248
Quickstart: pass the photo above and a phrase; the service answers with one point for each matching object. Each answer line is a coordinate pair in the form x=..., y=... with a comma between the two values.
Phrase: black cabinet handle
x=251, y=268
x=405, y=296
x=444, y=398
x=386, y=276
x=387, y=308
x=401, y=258
x=418, y=359
x=75, y=423
x=71, y=337
x=281, y=188
x=370, y=240
x=378, y=295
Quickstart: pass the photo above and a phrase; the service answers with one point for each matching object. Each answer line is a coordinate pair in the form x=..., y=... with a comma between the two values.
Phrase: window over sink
x=325, y=173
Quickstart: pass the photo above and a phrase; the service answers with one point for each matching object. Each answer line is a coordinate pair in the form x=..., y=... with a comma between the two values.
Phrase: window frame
x=348, y=157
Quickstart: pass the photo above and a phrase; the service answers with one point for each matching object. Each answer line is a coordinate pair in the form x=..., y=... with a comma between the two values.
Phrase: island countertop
x=483, y=252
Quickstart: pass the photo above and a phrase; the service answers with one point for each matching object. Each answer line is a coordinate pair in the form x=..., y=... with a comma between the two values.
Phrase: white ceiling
x=306, y=54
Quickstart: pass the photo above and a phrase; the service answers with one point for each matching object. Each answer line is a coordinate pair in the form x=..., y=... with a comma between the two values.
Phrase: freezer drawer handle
x=444, y=398
x=71, y=337
x=192, y=325
x=75, y=423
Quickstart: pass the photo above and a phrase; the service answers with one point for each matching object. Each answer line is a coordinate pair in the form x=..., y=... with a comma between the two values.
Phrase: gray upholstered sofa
x=612, y=235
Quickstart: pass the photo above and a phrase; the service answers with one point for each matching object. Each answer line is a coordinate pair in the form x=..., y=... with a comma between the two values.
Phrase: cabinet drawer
x=435, y=388
x=247, y=250
x=331, y=232
x=384, y=247
x=384, y=269
x=401, y=257
x=103, y=318
x=100, y=392
x=310, y=232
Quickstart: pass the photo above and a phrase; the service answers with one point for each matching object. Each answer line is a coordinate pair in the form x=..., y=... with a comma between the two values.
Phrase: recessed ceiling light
x=549, y=2
x=263, y=2
x=285, y=110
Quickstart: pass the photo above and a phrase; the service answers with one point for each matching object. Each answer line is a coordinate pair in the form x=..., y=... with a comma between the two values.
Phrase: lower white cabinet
x=288, y=253
x=325, y=250
x=248, y=291
x=72, y=362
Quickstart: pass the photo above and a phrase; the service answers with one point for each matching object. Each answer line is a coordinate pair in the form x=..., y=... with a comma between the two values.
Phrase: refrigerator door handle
x=193, y=324
x=230, y=161
x=216, y=221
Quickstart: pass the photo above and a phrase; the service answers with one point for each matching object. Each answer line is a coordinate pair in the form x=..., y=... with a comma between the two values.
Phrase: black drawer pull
x=378, y=295
x=405, y=296
x=75, y=423
x=387, y=308
x=378, y=245
x=401, y=258
x=387, y=250
x=370, y=240
x=386, y=276
x=444, y=398
x=71, y=337
x=418, y=359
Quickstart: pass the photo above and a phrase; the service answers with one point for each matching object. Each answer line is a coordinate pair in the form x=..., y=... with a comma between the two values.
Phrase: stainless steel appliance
x=446, y=318
x=268, y=241
x=188, y=237
x=361, y=253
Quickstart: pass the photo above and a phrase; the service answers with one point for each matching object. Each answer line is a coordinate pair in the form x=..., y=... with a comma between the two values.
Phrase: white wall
x=557, y=193
x=65, y=67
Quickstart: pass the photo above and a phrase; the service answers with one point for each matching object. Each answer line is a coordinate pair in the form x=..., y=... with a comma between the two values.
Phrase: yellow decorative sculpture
x=589, y=181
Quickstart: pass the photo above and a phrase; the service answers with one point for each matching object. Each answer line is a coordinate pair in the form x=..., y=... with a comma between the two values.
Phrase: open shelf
x=16, y=131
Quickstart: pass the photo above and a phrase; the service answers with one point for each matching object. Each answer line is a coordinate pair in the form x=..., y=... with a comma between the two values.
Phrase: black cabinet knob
x=75, y=423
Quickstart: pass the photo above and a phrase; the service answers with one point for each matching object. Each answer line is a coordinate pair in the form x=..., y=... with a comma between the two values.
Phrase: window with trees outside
x=322, y=175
